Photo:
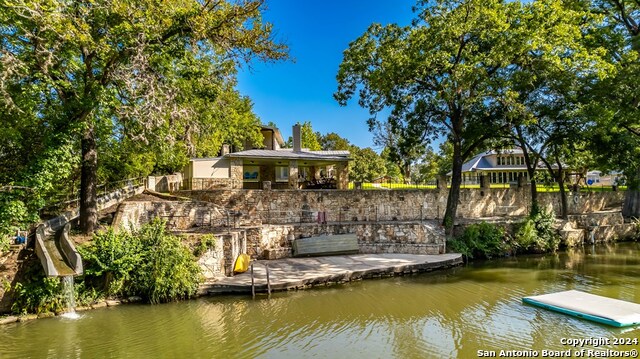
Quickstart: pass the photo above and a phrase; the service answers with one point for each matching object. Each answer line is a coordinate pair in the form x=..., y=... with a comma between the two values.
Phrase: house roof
x=480, y=162
x=474, y=162
x=289, y=154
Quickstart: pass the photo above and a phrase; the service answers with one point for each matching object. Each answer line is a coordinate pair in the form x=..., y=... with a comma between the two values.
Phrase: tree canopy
x=152, y=74
x=439, y=77
x=454, y=73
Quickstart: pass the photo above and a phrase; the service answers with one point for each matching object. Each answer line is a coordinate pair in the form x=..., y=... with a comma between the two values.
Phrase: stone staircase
x=603, y=226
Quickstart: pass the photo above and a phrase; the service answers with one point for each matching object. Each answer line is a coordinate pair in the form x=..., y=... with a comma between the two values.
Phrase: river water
x=446, y=314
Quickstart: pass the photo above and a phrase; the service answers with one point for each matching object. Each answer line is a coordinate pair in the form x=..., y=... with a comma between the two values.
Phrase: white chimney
x=225, y=149
x=297, y=140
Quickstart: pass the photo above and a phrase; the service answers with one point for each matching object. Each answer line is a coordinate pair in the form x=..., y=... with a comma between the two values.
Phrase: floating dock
x=300, y=273
x=614, y=312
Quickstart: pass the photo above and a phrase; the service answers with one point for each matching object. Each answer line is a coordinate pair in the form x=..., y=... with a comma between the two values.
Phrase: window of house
x=304, y=173
x=251, y=173
x=282, y=174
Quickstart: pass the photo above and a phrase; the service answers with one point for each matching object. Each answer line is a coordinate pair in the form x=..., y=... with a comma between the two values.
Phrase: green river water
x=447, y=314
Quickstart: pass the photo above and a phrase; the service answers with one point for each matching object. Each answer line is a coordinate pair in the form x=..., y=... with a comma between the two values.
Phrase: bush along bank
x=149, y=265
x=486, y=240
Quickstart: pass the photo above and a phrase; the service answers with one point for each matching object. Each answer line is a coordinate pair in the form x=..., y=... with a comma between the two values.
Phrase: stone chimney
x=225, y=149
x=297, y=140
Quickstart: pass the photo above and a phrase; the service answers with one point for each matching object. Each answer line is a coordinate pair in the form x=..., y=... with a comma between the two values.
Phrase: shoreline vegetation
x=147, y=265
x=536, y=234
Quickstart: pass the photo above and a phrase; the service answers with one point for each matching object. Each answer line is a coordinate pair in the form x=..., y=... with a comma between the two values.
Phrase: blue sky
x=317, y=32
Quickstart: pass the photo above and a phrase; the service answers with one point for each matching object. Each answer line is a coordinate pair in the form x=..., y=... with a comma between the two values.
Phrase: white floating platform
x=614, y=312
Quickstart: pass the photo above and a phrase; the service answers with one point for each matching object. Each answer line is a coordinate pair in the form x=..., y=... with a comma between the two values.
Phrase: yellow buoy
x=242, y=263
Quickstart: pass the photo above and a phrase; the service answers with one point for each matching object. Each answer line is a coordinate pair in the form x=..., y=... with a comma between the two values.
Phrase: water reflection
x=443, y=314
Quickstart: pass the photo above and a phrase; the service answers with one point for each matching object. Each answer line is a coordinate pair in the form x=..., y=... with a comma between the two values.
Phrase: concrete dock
x=299, y=273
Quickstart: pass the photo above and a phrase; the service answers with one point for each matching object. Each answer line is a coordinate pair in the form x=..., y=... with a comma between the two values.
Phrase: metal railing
x=72, y=200
x=346, y=215
x=200, y=184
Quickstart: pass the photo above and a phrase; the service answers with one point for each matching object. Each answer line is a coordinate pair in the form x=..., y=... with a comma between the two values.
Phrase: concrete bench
x=326, y=245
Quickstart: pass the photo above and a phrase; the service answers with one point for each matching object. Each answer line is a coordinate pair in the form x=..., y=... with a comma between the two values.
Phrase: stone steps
x=596, y=227
x=596, y=218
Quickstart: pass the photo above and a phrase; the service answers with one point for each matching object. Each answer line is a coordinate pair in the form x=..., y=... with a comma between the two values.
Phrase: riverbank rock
x=47, y=315
x=134, y=299
x=27, y=317
x=8, y=320
x=99, y=305
x=82, y=309
x=113, y=303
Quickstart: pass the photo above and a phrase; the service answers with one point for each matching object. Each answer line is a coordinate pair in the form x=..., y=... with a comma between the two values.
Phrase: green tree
x=401, y=148
x=147, y=70
x=438, y=76
x=613, y=104
x=308, y=138
x=547, y=83
x=367, y=165
x=333, y=142
x=426, y=169
x=392, y=169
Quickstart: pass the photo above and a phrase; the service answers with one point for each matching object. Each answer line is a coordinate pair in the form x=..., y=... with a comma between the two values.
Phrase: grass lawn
x=541, y=188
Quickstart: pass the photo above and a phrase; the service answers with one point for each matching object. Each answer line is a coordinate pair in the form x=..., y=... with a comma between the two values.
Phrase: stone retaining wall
x=219, y=259
x=396, y=221
x=302, y=206
x=180, y=215
x=373, y=237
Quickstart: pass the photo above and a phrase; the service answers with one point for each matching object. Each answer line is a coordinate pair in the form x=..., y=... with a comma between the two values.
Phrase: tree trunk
x=564, y=212
x=88, y=179
x=454, y=192
x=535, y=206
x=531, y=170
x=631, y=206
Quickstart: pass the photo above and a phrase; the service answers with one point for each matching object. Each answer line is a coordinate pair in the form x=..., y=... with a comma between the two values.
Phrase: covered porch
x=261, y=173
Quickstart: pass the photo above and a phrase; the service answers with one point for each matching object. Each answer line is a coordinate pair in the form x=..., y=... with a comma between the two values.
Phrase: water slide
x=57, y=253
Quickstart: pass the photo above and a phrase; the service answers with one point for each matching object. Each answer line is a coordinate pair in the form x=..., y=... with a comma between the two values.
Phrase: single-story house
x=270, y=167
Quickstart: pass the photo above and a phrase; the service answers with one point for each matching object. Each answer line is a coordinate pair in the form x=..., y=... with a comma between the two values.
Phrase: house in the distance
x=270, y=167
x=499, y=167
x=598, y=178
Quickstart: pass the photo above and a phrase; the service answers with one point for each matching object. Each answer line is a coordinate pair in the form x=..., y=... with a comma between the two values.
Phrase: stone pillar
x=236, y=173
x=293, y=174
x=151, y=183
x=342, y=175
x=441, y=183
x=266, y=185
x=484, y=182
